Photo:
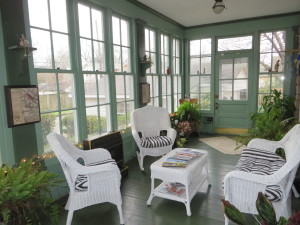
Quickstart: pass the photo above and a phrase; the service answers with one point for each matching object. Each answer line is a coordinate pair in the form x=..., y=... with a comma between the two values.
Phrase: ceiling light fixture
x=219, y=6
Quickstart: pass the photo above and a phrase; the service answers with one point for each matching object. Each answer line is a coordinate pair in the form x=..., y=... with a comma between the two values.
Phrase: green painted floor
x=205, y=206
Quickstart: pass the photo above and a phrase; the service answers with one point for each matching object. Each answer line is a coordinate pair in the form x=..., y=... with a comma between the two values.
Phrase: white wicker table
x=192, y=177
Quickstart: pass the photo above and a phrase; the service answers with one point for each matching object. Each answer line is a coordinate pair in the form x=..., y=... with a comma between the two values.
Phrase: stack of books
x=181, y=158
x=174, y=188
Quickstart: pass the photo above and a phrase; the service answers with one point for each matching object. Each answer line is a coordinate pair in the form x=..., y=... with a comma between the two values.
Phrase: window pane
x=166, y=45
x=260, y=99
x=47, y=91
x=226, y=69
x=129, y=87
x=225, y=90
x=42, y=57
x=205, y=101
x=66, y=91
x=61, y=51
x=117, y=58
x=116, y=30
x=195, y=85
x=177, y=66
x=124, y=35
x=153, y=66
x=265, y=62
x=195, y=66
x=264, y=84
x=86, y=54
x=152, y=41
x=205, y=84
x=104, y=118
x=277, y=82
x=166, y=64
x=265, y=42
x=68, y=119
x=126, y=67
x=121, y=116
x=38, y=13
x=99, y=56
x=84, y=21
x=49, y=123
x=206, y=65
x=240, y=90
x=120, y=88
x=241, y=68
x=235, y=43
x=92, y=122
x=147, y=43
x=97, y=20
x=279, y=60
x=103, y=87
x=168, y=85
x=163, y=85
x=58, y=15
x=149, y=80
x=195, y=48
x=278, y=41
x=206, y=46
x=130, y=108
x=90, y=89
x=155, y=85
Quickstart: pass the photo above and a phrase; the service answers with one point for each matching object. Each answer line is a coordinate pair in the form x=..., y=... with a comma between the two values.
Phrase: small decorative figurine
x=276, y=67
x=23, y=42
x=168, y=70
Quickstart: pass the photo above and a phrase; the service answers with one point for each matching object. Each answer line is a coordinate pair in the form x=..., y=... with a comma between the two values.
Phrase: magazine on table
x=173, y=188
x=181, y=158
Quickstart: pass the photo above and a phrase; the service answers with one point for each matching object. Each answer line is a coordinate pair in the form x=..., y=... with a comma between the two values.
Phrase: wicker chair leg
x=70, y=217
x=121, y=214
x=296, y=194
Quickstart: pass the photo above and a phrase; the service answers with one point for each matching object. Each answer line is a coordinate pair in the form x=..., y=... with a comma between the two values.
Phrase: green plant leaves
x=265, y=209
x=233, y=213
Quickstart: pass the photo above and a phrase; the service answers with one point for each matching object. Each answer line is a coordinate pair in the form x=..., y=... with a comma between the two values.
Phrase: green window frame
x=166, y=82
x=200, y=72
x=271, y=63
x=52, y=65
x=123, y=74
x=93, y=69
x=177, y=76
x=151, y=73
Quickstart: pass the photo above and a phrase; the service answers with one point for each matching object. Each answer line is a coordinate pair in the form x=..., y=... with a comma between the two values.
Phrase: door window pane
x=226, y=69
x=225, y=90
x=240, y=89
x=241, y=68
x=235, y=43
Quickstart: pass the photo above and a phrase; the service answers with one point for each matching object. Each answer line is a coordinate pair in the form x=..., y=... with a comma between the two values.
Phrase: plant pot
x=195, y=126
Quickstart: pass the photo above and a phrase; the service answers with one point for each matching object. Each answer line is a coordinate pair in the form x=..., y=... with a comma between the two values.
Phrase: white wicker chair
x=241, y=188
x=103, y=180
x=150, y=120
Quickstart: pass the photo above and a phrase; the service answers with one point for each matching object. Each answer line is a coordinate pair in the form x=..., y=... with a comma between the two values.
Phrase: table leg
x=207, y=176
x=152, y=192
x=188, y=201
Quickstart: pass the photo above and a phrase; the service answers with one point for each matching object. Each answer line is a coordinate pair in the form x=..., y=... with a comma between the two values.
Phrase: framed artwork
x=144, y=93
x=22, y=105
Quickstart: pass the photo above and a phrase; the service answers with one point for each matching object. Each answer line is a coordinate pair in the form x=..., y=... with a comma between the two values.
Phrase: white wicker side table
x=192, y=177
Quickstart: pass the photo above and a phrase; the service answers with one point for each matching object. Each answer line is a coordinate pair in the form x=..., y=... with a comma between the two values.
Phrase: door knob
x=216, y=105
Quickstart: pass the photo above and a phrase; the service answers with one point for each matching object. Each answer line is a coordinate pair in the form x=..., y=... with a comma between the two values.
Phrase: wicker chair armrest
x=85, y=170
x=95, y=155
x=136, y=137
x=264, y=144
x=171, y=133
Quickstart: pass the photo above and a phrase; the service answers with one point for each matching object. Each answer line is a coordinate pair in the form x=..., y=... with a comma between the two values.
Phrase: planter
x=195, y=126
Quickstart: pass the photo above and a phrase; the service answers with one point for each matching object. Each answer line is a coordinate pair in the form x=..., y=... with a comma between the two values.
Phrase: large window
x=152, y=76
x=235, y=43
x=124, y=82
x=96, y=81
x=176, y=72
x=271, y=63
x=200, y=72
x=49, y=34
x=165, y=71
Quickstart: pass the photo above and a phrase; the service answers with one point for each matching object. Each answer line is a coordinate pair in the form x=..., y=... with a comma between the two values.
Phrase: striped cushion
x=155, y=142
x=81, y=181
x=262, y=162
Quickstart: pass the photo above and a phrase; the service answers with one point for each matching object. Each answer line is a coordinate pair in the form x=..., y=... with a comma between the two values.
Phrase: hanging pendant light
x=219, y=6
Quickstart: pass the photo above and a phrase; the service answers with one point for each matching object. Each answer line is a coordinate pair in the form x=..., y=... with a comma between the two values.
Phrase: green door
x=234, y=77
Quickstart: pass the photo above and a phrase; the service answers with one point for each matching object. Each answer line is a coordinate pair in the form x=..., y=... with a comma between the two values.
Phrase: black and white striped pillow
x=81, y=181
x=155, y=142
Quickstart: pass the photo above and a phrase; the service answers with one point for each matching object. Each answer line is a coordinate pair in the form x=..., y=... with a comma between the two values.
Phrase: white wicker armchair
x=147, y=122
x=241, y=188
x=97, y=181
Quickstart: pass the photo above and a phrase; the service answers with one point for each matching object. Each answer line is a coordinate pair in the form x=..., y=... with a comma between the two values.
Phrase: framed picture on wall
x=22, y=104
x=145, y=93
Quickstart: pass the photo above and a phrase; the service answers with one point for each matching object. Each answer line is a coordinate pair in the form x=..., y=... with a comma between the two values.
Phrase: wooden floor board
x=206, y=205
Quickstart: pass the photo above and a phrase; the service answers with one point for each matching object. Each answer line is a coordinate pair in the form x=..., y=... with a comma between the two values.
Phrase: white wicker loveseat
x=241, y=188
x=97, y=181
x=146, y=125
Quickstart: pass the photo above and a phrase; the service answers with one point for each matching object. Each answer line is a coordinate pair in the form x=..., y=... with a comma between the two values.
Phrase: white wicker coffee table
x=192, y=177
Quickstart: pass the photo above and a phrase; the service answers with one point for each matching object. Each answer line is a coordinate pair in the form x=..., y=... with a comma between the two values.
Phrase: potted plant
x=25, y=193
x=190, y=112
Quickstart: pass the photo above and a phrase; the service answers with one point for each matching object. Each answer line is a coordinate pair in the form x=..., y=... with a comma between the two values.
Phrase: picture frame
x=22, y=104
x=144, y=93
